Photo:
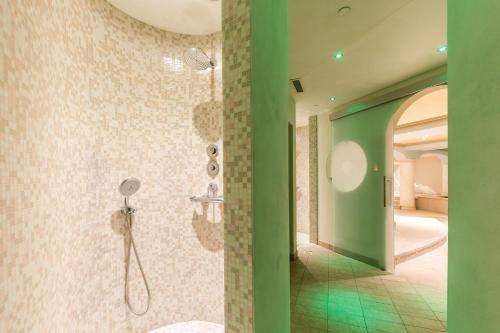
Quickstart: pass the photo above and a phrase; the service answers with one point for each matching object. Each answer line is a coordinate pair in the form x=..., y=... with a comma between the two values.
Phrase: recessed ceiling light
x=339, y=55
x=442, y=49
x=332, y=98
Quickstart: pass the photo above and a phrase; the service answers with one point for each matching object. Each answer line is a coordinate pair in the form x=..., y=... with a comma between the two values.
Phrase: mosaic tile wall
x=313, y=179
x=302, y=160
x=237, y=173
x=88, y=97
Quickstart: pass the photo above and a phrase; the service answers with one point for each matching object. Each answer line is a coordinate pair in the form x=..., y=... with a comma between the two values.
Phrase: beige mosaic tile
x=88, y=97
x=313, y=179
x=302, y=160
x=237, y=173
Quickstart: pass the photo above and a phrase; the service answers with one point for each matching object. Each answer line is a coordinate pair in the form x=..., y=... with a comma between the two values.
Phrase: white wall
x=325, y=190
x=429, y=172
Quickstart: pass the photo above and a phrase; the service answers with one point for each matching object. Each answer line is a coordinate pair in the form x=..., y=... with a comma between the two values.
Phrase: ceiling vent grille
x=298, y=86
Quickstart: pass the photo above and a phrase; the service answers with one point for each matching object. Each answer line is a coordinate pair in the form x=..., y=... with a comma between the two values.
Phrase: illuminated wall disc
x=348, y=165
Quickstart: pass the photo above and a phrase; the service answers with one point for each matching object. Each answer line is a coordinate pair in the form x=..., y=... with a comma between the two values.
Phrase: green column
x=256, y=176
x=269, y=73
x=474, y=166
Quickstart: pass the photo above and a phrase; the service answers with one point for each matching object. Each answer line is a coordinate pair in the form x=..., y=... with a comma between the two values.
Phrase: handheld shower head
x=129, y=186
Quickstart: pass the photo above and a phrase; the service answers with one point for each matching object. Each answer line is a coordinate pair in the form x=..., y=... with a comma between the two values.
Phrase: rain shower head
x=129, y=186
x=197, y=59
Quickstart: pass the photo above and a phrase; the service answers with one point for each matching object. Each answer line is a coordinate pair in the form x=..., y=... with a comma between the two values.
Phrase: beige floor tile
x=311, y=303
x=310, y=321
x=301, y=310
x=413, y=329
x=334, y=308
x=421, y=313
x=375, y=306
x=336, y=327
x=299, y=328
x=347, y=301
x=332, y=293
x=346, y=319
x=383, y=315
x=441, y=316
x=422, y=322
x=384, y=326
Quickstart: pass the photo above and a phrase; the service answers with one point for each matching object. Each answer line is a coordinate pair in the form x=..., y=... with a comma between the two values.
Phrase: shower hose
x=131, y=245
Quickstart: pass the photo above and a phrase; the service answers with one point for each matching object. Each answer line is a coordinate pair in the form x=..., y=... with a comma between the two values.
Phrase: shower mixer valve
x=212, y=190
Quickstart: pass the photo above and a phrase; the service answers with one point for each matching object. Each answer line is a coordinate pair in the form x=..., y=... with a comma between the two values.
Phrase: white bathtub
x=191, y=327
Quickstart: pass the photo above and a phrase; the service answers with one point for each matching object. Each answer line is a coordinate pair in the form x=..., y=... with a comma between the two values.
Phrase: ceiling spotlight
x=332, y=98
x=339, y=55
x=442, y=49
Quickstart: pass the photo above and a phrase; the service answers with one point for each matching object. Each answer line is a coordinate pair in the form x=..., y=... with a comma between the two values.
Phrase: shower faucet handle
x=212, y=189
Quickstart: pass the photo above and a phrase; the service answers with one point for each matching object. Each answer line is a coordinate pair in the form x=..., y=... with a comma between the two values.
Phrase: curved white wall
x=90, y=96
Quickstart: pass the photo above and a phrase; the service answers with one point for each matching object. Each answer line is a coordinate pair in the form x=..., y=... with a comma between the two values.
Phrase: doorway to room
x=420, y=199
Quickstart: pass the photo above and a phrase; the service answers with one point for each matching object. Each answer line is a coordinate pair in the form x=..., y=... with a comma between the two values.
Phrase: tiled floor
x=332, y=293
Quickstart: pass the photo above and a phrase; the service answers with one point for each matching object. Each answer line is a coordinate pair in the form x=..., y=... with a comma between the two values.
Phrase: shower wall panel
x=88, y=97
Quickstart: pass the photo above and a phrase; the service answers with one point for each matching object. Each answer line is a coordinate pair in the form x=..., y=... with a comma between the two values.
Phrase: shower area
x=111, y=159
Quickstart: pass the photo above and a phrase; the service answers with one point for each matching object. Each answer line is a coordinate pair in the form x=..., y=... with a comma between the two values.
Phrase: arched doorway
x=417, y=166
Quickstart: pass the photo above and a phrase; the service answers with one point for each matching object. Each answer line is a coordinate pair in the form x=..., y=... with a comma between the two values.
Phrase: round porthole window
x=348, y=166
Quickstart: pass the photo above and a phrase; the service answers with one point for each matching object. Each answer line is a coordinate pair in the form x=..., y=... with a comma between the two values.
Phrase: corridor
x=333, y=293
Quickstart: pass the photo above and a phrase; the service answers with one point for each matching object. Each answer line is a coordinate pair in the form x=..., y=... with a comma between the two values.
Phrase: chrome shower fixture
x=197, y=59
x=212, y=190
x=129, y=187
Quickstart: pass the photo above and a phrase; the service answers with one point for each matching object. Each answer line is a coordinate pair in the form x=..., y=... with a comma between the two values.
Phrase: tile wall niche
x=88, y=97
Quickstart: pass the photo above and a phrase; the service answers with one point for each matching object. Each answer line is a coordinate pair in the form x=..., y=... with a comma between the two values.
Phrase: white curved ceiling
x=192, y=17
x=423, y=126
x=431, y=105
x=384, y=42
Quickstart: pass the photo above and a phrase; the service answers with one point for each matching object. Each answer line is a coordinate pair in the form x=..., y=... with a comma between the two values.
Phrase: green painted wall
x=474, y=172
x=359, y=215
x=269, y=103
